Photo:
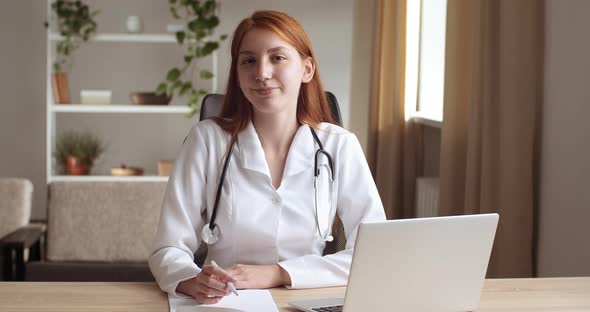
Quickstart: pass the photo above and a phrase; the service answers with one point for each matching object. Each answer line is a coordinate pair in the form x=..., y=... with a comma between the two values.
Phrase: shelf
x=92, y=178
x=119, y=108
x=154, y=38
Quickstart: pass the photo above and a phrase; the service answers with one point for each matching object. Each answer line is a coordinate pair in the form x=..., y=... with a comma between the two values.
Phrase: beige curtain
x=391, y=152
x=493, y=89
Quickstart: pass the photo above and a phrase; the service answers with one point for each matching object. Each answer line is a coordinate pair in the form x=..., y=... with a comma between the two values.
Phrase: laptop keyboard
x=336, y=308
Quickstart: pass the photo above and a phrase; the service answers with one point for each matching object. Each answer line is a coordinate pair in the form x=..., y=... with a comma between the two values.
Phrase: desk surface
x=547, y=294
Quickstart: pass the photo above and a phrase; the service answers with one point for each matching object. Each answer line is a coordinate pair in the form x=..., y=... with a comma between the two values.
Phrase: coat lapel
x=251, y=152
x=300, y=155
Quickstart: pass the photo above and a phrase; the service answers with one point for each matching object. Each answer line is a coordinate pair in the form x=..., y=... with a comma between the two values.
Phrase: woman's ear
x=308, y=70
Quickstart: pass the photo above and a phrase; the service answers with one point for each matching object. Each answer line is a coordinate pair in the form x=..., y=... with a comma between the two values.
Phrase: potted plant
x=76, y=152
x=201, y=20
x=75, y=23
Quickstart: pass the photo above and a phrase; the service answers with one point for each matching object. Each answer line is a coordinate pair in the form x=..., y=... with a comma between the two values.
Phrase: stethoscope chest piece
x=210, y=236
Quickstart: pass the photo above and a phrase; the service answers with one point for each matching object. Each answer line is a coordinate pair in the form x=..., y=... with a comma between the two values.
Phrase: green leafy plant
x=84, y=145
x=201, y=21
x=75, y=23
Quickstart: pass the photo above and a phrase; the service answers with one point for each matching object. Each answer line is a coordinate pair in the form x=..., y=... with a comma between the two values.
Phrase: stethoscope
x=211, y=232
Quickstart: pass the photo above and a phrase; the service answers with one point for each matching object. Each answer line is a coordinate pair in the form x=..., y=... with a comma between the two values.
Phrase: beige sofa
x=99, y=231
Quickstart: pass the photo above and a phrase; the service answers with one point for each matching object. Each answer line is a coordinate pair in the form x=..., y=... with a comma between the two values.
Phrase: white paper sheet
x=249, y=300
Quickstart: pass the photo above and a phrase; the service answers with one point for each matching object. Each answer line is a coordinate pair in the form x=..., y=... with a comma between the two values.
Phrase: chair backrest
x=212, y=104
x=102, y=221
x=15, y=204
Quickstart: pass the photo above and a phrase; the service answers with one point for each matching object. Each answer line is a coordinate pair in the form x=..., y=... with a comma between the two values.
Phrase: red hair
x=312, y=104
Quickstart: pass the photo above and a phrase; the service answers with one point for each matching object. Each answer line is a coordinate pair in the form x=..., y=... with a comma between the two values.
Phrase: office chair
x=211, y=106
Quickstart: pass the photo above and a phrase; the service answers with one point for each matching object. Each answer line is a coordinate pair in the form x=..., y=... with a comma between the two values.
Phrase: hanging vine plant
x=201, y=21
x=75, y=22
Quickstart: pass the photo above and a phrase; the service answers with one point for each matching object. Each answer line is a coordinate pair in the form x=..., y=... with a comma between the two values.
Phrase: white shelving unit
x=122, y=108
x=147, y=38
x=119, y=108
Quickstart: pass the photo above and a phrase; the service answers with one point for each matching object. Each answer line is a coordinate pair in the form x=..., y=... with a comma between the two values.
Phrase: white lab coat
x=261, y=224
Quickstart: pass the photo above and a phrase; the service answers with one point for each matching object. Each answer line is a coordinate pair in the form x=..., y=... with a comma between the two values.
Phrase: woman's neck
x=276, y=131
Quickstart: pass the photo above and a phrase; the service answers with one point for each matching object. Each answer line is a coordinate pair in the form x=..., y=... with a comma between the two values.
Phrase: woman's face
x=270, y=72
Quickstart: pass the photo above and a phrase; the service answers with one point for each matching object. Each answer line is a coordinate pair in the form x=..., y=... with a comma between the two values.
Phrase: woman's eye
x=279, y=58
x=247, y=61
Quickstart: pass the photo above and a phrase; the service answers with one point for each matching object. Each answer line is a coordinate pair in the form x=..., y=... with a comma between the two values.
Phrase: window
x=425, y=58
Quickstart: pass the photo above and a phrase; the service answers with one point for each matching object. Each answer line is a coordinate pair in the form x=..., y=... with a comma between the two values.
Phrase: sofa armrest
x=23, y=237
x=13, y=247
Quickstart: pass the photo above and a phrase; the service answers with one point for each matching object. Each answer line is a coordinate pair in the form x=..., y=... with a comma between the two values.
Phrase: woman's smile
x=265, y=91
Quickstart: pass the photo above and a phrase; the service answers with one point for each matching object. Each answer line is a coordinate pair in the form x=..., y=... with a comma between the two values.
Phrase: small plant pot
x=75, y=166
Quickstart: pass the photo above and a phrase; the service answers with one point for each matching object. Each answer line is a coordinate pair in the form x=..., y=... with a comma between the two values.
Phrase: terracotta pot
x=76, y=167
x=59, y=84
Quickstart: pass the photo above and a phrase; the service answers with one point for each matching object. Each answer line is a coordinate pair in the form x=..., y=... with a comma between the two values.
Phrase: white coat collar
x=300, y=155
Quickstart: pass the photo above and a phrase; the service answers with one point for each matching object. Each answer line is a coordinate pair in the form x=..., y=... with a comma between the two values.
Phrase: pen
x=229, y=284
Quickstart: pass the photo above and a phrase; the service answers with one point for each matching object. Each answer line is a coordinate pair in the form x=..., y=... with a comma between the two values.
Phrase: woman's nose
x=263, y=71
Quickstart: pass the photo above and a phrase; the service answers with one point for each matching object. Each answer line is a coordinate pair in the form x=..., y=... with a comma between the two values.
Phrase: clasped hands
x=210, y=285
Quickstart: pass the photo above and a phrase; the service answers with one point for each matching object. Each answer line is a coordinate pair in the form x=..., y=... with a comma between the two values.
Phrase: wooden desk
x=549, y=294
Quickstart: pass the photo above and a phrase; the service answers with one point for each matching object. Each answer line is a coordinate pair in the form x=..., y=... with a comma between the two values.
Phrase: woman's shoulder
x=335, y=137
x=332, y=128
x=329, y=131
x=207, y=128
x=341, y=143
x=207, y=132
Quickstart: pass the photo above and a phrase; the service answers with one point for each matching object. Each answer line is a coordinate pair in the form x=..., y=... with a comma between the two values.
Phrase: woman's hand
x=259, y=276
x=209, y=286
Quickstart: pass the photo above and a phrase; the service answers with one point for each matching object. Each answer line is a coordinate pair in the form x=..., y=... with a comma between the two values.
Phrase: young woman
x=275, y=134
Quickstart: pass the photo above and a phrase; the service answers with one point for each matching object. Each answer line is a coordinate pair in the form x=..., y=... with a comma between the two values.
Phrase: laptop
x=426, y=264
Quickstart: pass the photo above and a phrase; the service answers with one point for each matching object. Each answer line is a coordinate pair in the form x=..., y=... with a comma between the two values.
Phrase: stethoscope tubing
x=220, y=186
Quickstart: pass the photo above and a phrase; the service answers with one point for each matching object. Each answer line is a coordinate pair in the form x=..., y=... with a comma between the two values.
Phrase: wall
x=565, y=155
x=338, y=29
x=22, y=90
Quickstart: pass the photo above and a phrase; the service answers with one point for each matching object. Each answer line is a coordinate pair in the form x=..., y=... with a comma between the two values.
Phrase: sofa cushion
x=102, y=221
